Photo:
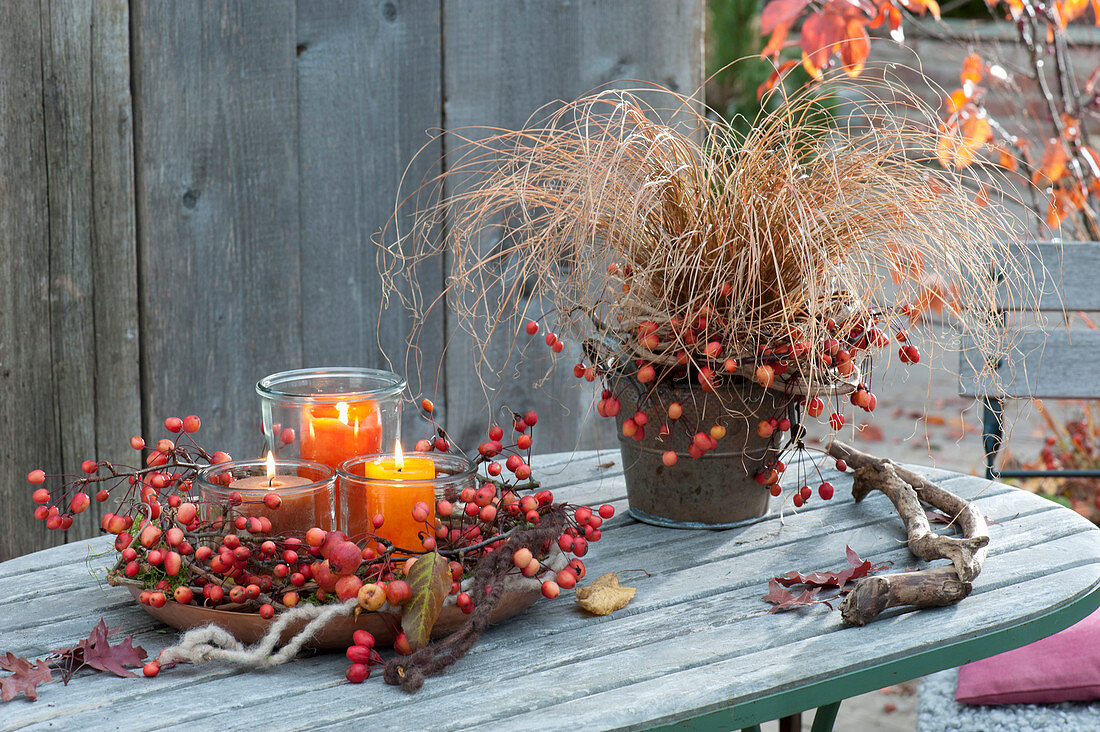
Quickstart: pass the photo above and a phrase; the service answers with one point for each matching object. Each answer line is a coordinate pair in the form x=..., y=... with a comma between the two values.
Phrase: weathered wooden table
x=696, y=648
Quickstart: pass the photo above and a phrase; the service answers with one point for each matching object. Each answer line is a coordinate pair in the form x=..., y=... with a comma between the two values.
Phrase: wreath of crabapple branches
x=177, y=548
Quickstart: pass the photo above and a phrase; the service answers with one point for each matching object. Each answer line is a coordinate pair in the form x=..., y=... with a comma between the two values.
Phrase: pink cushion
x=1063, y=667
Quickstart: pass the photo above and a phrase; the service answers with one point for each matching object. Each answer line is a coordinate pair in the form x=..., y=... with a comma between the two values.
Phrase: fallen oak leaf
x=605, y=595
x=784, y=599
x=860, y=568
x=25, y=677
x=10, y=662
x=813, y=579
x=777, y=592
x=101, y=655
x=857, y=569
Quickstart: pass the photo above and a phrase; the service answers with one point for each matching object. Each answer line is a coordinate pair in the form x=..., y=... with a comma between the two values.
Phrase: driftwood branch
x=907, y=490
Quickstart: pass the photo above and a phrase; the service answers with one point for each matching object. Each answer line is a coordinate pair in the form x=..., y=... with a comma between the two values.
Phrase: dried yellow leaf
x=605, y=595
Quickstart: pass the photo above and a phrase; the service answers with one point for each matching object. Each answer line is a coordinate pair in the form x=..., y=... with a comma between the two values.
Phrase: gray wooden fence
x=188, y=192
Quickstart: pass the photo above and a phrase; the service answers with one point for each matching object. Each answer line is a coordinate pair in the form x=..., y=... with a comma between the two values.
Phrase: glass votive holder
x=374, y=484
x=306, y=491
x=330, y=414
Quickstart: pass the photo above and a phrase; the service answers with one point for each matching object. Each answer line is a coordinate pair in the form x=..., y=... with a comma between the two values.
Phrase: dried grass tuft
x=617, y=219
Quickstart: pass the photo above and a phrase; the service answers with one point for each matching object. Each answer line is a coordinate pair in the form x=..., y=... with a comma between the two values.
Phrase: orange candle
x=333, y=433
x=298, y=510
x=393, y=499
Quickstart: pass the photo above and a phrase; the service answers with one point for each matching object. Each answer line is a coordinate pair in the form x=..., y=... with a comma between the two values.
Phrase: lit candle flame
x=398, y=457
x=270, y=467
x=342, y=408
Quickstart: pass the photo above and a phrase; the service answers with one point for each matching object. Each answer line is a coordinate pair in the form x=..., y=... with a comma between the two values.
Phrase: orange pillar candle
x=333, y=433
x=298, y=510
x=393, y=499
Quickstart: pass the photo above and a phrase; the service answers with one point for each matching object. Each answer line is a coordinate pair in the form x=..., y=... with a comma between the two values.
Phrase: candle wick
x=271, y=481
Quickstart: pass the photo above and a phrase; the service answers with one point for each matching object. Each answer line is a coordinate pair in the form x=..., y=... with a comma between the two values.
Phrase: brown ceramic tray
x=249, y=627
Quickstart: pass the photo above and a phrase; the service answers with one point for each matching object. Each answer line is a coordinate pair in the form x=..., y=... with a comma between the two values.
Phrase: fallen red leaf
x=869, y=432
x=785, y=600
x=101, y=655
x=97, y=652
x=25, y=677
x=857, y=569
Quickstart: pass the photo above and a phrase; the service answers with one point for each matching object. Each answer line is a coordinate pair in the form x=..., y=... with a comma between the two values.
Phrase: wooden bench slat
x=1055, y=365
x=1063, y=276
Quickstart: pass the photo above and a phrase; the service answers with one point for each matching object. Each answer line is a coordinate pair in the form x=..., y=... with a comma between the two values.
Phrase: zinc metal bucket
x=718, y=490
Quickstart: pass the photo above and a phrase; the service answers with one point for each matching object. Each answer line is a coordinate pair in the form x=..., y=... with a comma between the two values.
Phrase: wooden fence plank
x=66, y=101
x=114, y=236
x=369, y=91
x=89, y=145
x=217, y=191
x=503, y=60
x=28, y=423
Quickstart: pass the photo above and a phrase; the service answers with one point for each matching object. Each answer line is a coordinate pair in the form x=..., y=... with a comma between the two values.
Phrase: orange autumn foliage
x=1053, y=163
x=836, y=29
x=963, y=136
x=834, y=34
x=972, y=70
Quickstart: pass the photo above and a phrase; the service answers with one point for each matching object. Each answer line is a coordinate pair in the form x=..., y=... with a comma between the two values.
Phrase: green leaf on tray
x=430, y=580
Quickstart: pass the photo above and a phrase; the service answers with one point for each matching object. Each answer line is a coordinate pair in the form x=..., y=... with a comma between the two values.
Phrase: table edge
x=838, y=688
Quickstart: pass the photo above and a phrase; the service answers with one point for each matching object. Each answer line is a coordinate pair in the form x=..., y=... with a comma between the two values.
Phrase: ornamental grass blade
x=430, y=580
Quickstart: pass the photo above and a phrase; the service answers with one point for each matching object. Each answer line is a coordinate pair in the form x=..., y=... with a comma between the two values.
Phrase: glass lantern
x=384, y=484
x=306, y=493
x=331, y=414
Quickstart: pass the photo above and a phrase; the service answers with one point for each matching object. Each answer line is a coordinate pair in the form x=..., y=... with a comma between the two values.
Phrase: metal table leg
x=791, y=723
x=824, y=717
